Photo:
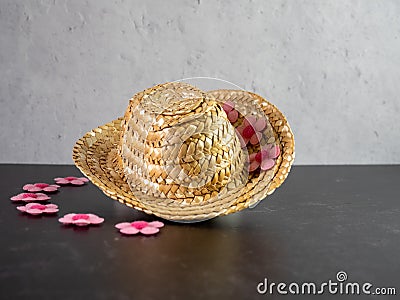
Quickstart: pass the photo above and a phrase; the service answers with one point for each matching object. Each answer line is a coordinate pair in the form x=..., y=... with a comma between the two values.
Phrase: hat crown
x=177, y=143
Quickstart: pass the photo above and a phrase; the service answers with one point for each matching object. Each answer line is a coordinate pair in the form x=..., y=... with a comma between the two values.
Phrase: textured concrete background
x=333, y=67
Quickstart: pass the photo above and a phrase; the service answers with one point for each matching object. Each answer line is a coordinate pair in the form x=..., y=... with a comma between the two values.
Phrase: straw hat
x=187, y=155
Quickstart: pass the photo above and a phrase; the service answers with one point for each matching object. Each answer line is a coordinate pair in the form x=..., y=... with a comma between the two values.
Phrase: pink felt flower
x=71, y=180
x=251, y=130
x=139, y=226
x=28, y=197
x=81, y=219
x=39, y=187
x=231, y=112
x=265, y=159
x=38, y=209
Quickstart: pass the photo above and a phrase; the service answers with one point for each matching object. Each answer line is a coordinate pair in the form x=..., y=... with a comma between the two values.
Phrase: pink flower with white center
x=265, y=159
x=38, y=209
x=39, y=187
x=81, y=219
x=71, y=180
x=251, y=130
x=231, y=112
x=139, y=226
x=28, y=197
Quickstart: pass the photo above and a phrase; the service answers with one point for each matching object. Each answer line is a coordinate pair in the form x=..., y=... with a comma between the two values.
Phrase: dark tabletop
x=321, y=221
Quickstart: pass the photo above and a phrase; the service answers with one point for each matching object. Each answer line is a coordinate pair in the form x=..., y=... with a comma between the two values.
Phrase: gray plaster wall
x=333, y=67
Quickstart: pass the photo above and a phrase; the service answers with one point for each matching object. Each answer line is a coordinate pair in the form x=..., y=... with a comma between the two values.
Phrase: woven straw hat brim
x=96, y=155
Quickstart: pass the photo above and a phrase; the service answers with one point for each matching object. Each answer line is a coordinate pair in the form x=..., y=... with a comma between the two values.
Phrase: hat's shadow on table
x=223, y=248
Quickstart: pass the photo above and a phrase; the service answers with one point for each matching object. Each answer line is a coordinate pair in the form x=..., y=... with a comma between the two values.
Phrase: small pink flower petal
x=240, y=128
x=51, y=210
x=77, y=182
x=81, y=222
x=149, y=230
x=264, y=154
x=156, y=224
x=253, y=166
x=267, y=164
x=239, y=132
x=129, y=230
x=233, y=116
x=62, y=181
x=93, y=219
x=228, y=106
x=256, y=138
x=84, y=179
x=252, y=157
x=34, y=211
x=250, y=120
x=16, y=198
x=21, y=208
x=243, y=142
x=30, y=200
x=274, y=151
x=42, y=197
x=52, y=206
x=64, y=220
x=122, y=225
x=51, y=188
x=260, y=124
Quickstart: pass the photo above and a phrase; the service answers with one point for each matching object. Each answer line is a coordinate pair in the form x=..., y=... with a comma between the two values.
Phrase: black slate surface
x=323, y=220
